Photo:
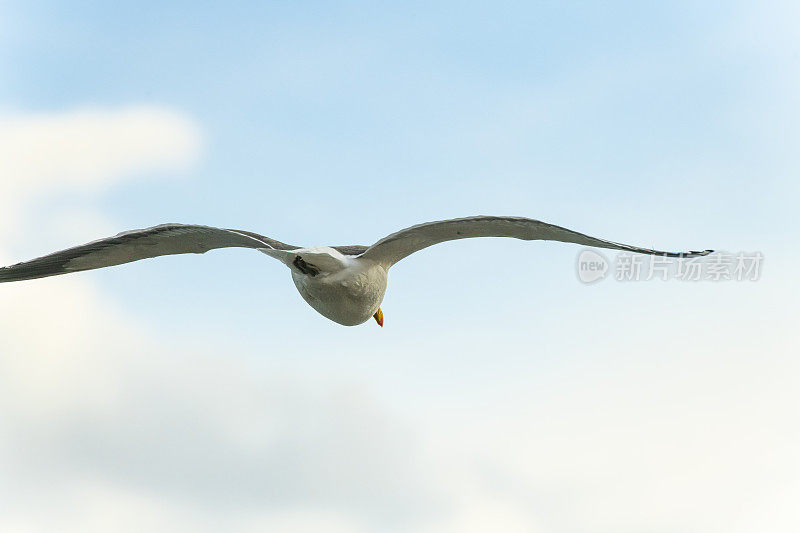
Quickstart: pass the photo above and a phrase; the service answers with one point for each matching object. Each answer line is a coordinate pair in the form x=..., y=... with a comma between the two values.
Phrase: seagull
x=345, y=284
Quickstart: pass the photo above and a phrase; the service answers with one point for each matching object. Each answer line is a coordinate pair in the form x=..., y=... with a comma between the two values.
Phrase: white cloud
x=127, y=431
x=92, y=147
x=130, y=435
x=88, y=150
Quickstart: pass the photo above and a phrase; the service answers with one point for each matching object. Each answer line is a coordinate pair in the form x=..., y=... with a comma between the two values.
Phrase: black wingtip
x=695, y=253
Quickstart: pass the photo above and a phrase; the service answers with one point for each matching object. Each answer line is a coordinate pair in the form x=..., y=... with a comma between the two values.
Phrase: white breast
x=349, y=296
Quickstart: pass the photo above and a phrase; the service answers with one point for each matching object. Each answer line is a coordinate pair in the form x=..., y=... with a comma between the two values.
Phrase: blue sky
x=665, y=125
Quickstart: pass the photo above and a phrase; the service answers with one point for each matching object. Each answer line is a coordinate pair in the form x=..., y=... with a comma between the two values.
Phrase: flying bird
x=345, y=284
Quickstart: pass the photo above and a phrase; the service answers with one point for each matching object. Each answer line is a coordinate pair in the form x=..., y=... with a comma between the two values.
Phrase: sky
x=200, y=393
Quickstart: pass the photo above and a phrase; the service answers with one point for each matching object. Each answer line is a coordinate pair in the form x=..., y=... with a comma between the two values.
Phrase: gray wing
x=166, y=239
x=396, y=246
x=355, y=249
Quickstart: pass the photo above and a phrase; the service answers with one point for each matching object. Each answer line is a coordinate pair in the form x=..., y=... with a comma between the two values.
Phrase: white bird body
x=347, y=290
x=345, y=284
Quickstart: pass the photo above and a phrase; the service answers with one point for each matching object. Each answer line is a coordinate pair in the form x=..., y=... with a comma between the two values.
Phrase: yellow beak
x=378, y=316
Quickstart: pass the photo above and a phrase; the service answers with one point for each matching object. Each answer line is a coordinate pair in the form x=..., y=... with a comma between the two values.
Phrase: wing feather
x=165, y=239
x=403, y=243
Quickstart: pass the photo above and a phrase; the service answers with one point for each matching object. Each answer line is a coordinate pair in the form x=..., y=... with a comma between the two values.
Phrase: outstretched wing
x=166, y=239
x=396, y=246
